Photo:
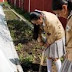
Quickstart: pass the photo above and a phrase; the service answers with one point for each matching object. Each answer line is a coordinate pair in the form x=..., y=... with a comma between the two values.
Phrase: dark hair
x=69, y=5
x=57, y=4
x=36, y=31
x=35, y=15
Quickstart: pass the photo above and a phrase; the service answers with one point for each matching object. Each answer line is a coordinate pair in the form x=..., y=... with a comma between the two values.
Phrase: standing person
x=64, y=9
x=55, y=36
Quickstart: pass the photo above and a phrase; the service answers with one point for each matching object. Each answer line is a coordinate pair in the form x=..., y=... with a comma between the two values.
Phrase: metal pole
x=15, y=3
x=19, y=3
x=29, y=5
x=22, y=4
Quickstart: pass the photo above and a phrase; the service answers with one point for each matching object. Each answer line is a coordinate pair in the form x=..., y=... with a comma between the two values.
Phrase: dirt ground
x=36, y=53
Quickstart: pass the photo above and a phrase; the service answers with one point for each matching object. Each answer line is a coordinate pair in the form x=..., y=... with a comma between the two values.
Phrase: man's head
x=60, y=7
x=36, y=18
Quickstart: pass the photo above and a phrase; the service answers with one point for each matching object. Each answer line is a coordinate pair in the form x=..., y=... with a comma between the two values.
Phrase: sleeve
x=69, y=31
x=68, y=28
x=50, y=31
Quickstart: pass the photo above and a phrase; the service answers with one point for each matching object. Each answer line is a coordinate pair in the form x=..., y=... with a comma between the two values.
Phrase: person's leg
x=58, y=64
x=49, y=65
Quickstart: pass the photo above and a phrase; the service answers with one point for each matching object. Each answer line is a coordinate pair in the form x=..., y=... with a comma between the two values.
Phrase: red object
x=5, y=0
x=26, y=5
x=64, y=22
x=36, y=4
x=17, y=3
x=41, y=5
x=1, y=0
x=21, y=4
x=12, y=1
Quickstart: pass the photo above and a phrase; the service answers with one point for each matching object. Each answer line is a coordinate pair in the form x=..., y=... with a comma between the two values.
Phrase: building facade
x=2, y=1
x=31, y=5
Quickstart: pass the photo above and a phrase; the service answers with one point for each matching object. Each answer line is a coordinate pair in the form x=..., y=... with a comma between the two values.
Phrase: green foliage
x=4, y=3
x=28, y=59
x=26, y=15
x=10, y=15
x=21, y=57
x=23, y=13
x=19, y=47
x=20, y=31
x=62, y=59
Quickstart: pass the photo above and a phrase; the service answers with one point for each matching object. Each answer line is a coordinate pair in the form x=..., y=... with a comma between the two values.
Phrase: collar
x=43, y=19
x=70, y=15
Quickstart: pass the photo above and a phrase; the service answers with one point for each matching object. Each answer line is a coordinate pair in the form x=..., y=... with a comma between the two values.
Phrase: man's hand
x=46, y=45
x=41, y=43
